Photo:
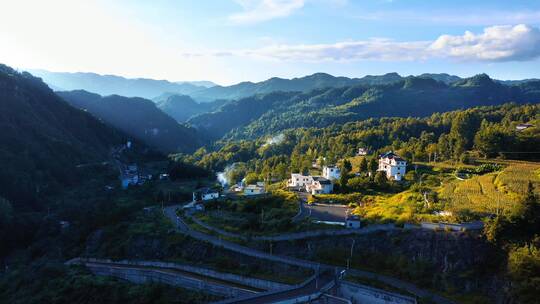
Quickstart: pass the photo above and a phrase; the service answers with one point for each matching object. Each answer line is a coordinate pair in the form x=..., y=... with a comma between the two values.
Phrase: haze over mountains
x=249, y=110
x=111, y=84
x=137, y=117
x=205, y=91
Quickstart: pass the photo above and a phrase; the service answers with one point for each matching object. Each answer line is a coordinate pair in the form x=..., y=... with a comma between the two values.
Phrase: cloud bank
x=496, y=43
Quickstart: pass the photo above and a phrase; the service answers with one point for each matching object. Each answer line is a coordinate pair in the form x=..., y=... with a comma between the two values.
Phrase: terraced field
x=489, y=193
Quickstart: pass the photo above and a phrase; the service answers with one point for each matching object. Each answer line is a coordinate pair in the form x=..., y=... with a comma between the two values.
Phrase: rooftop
x=322, y=180
x=391, y=155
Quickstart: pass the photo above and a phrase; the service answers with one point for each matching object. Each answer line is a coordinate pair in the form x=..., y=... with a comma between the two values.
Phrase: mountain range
x=412, y=96
x=117, y=85
x=137, y=117
x=205, y=91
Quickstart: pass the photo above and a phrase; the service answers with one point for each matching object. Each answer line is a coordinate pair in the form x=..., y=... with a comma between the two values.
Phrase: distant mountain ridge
x=183, y=107
x=271, y=113
x=205, y=91
x=301, y=84
x=116, y=85
x=139, y=118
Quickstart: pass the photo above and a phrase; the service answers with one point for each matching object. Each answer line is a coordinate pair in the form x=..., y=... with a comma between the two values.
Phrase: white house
x=331, y=172
x=362, y=152
x=320, y=185
x=299, y=181
x=255, y=189
x=393, y=165
x=205, y=194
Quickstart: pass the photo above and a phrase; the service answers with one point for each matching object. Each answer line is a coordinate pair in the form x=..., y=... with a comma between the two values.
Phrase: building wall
x=392, y=169
x=301, y=181
x=331, y=173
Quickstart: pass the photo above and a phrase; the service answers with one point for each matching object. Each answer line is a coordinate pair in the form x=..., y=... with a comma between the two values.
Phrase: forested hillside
x=414, y=96
x=303, y=84
x=43, y=138
x=139, y=118
x=488, y=131
x=183, y=107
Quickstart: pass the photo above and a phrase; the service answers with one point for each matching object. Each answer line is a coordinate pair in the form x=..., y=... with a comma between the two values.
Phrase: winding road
x=182, y=227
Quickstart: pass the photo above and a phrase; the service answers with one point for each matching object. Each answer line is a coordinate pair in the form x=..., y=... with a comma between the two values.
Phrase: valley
x=411, y=189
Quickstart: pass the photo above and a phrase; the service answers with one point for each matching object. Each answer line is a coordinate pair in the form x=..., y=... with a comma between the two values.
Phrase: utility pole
x=351, y=256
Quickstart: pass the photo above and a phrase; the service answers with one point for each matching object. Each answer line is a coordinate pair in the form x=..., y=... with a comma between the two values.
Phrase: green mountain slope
x=183, y=107
x=302, y=84
x=43, y=138
x=139, y=118
x=412, y=96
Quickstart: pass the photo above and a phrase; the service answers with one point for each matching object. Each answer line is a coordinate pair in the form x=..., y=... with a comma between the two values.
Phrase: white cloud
x=373, y=49
x=496, y=43
x=264, y=10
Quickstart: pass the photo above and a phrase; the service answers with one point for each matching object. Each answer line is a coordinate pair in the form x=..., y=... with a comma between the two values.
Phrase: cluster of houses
x=392, y=164
x=315, y=184
x=133, y=176
x=207, y=194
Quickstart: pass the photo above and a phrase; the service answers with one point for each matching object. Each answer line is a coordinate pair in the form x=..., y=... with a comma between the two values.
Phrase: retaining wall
x=141, y=276
x=453, y=227
x=229, y=277
x=361, y=294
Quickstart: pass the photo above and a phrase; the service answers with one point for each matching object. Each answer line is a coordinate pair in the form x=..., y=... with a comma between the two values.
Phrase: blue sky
x=228, y=41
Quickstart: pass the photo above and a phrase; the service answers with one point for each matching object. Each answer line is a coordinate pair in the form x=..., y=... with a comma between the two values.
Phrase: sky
x=228, y=41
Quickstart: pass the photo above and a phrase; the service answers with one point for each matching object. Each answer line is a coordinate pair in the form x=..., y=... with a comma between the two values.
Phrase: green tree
x=251, y=178
x=373, y=165
x=524, y=270
x=530, y=219
x=346, y=168
x=464, y=127
x=493, y=229
x=363, y=165
x=380, y=179
x=489, y=140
